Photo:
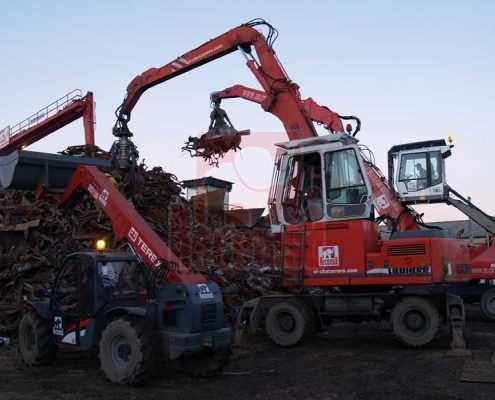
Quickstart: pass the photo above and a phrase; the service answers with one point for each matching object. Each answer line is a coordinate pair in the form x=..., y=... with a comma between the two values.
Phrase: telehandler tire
x=487, y=305
x=288, y=322
x=126, y=351
x=415, y=321
x=36, y=340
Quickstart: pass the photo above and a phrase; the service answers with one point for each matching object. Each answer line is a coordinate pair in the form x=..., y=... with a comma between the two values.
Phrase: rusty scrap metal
x=213, y=145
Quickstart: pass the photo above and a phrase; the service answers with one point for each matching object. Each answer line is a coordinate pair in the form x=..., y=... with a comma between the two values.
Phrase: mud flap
x=456, y=317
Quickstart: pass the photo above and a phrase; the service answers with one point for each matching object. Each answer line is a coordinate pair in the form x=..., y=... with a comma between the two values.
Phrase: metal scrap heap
x=36, y=234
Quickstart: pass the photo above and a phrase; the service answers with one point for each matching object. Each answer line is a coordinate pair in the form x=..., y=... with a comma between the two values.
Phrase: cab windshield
x=344, y=181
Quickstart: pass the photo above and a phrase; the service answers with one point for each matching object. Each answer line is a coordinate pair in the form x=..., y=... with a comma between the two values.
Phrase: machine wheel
x=126, y=351
x=36, y=340
x=487, y=305
x=288, y=322
x=205, y=365
x=415, y=321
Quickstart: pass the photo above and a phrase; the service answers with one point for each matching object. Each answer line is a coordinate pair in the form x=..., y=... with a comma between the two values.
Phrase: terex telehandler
x=134, y=306
x=324, y=196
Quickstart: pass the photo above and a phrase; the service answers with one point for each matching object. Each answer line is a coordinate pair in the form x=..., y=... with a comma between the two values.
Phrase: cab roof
x=417, y=145
x=343, y=138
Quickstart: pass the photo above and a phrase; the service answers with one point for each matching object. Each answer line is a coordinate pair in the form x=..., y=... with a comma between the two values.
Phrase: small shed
x=208, y=184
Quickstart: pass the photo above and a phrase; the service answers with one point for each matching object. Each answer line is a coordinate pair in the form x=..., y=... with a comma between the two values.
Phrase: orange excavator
x=335, y=261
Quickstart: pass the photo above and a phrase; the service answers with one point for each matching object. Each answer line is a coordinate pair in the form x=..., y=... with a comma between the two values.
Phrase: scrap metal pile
x=36, y=234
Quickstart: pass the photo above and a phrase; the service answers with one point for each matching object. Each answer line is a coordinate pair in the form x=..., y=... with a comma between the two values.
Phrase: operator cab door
x=302, y=199
x=72, y=301
x=348, y=193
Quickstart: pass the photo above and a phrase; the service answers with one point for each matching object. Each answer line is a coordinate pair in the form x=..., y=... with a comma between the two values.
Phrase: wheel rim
x=121, y=351
x=415, y=321
x=490, y=304
x=286, y=322
x=29, y=338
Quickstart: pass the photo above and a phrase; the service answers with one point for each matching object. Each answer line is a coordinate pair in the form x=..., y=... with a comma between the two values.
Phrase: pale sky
x=410, y=70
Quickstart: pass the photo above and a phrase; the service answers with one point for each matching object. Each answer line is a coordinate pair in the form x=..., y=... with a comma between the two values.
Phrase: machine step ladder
x=293, y=257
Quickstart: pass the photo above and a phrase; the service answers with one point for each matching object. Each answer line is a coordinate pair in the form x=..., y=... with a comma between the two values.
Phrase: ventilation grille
x=407, y=250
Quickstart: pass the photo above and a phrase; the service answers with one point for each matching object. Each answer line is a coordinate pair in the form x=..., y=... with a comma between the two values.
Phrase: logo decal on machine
x=58, y=328
x=134, y=237
x=381, y=203
x=328, y=256
x=102, y=197
x=412, y=270
x=204, y=291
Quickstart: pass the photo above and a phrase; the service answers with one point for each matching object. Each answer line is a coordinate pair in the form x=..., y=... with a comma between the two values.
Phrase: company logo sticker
x=328, y=256
x=204, y=291
x=58, y=329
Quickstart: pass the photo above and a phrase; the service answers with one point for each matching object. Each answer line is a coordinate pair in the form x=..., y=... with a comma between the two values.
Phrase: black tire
x=415, y=321
x=126, y=351
x=204, y=365
x=487, y=305
x=287, y=323
x=36, y=340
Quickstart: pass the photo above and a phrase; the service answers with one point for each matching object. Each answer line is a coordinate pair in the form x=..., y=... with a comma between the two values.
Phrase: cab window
x=302, y=198
x=344, y=181
x=419, y=171
x=122, y=277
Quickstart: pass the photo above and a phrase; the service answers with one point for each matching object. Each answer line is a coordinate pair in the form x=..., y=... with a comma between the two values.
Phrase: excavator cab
x=319, y=179
x=417, y=171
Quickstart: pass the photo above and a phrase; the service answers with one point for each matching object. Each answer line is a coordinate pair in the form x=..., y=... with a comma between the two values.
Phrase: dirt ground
x=350, y=362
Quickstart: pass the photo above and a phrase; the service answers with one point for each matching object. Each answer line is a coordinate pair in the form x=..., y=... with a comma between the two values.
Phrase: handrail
x=46, y=112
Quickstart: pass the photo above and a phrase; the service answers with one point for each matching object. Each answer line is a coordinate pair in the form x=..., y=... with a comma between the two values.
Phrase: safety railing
x=46, y=112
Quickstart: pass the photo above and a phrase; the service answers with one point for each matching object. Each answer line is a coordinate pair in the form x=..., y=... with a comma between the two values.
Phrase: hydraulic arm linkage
x=263, y=63
x=280, y=96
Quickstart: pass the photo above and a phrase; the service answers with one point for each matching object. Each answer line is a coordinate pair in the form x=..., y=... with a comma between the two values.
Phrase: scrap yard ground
x=351, y=362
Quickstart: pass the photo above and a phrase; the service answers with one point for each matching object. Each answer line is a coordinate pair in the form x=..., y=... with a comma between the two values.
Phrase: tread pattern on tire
x=305, y=314
x=144, y=336
x=425, y=305
x=486, y=314
x=45, y=349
